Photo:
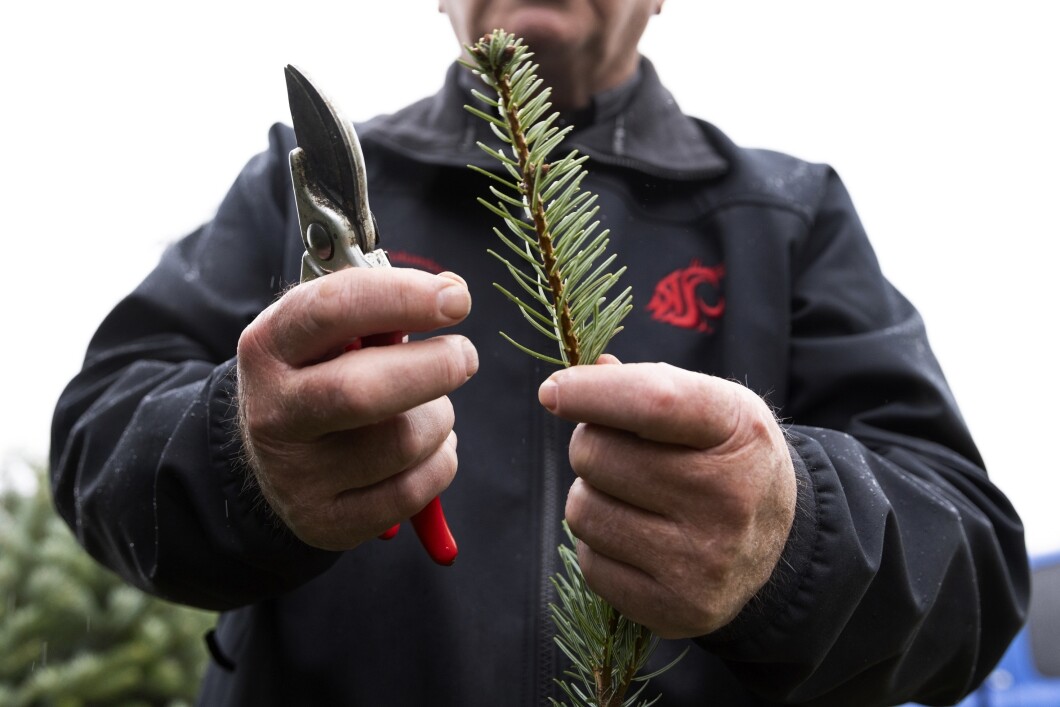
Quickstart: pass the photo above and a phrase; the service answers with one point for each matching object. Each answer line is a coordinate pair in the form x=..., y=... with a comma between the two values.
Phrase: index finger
x=319, y=317
x=655, y=401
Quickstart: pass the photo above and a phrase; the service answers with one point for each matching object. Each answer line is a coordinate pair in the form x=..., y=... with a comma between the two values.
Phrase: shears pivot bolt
x=320, y=241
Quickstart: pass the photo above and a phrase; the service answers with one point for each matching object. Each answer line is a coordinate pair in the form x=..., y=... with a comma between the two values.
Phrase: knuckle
x=407, y=439
x=665, y=393
x=586, y=561
x=755, y=419
x=574, y=509
x=738, y=507
x=354, y=392
x=449, y=364
x=761, y=424
x=356, y=402
x=435, y=422
x=454, y=367
x=342, y=288
x=318, y=301
x=256, y=346
x=412, y=490
x=422, y=431
x=403, y=498
x=265, y=417
x=592, y=451
x=580, y=450
x=260, y=374
x=411, y=444
x=249, y=343
x=261, y=418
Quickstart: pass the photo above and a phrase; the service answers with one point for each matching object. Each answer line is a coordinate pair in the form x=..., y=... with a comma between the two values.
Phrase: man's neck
x=573, y=89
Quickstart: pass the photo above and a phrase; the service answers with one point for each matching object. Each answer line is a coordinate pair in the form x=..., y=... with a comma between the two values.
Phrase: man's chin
x=541, y=27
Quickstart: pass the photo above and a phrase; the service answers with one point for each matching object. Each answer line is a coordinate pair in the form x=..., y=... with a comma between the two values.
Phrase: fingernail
x=470, y=357
x=548, y=394
x=454, y=301
x=453, y=276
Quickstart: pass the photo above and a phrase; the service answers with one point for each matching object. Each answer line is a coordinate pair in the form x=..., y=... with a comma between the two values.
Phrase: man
x=217, y=451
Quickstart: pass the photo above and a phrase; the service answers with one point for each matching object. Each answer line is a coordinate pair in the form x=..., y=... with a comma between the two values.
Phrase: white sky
x=125, y=122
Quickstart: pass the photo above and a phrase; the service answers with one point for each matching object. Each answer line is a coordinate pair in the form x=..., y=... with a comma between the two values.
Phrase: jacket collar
x=639, y=127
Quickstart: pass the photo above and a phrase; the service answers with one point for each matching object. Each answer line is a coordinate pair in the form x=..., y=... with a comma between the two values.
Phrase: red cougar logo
x=675, y=300
x=400, y=257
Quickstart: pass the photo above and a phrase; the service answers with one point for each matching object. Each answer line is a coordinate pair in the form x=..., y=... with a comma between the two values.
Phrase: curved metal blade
x=333, y=153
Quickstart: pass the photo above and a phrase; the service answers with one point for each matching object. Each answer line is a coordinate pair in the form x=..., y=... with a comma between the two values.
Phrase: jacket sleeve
x=145, y=457
x=905, y=575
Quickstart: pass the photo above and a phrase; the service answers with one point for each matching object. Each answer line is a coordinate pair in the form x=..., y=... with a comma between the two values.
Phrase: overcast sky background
x=125, y=122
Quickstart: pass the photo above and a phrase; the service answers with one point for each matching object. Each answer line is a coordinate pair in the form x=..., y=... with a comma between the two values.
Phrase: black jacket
x=905, y=574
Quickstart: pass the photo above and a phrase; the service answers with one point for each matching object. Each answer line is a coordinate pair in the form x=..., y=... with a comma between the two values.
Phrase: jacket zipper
x=547, y=562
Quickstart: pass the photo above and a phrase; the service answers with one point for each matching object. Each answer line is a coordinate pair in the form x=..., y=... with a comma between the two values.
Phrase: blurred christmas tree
x=72, y=634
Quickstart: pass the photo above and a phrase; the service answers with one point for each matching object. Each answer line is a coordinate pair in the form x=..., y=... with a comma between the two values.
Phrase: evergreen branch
x=487, y=117
x=492, y=175
x=499, y=132
x=503, y=213
x=535, y=354
x=568, y=208
x=521, y=252
x=498, y=155
x=522, y=282
x=485, y=99
x=503, y=63
x=576, y=227
x=588, y=286
x=507, y=199
x=606, y=649
x=567, y=167
x=564, y=280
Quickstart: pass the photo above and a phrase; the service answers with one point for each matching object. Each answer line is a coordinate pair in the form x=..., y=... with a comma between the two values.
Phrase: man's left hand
x=686, y=491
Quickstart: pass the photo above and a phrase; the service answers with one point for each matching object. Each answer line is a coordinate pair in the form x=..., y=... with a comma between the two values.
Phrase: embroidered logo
x=400, y=257
x=690, y=298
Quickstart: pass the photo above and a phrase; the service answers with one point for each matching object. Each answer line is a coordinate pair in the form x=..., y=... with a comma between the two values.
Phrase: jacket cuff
x=265, y=541
x=765, y=606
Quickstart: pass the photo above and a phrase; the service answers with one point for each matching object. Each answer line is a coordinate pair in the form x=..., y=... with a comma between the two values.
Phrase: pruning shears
x=339, y=231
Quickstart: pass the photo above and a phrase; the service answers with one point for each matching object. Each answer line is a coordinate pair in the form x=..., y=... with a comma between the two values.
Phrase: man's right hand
x=344, y=444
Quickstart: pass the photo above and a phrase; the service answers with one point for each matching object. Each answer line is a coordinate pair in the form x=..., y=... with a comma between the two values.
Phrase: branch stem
x=528, y=188
x=562, y=294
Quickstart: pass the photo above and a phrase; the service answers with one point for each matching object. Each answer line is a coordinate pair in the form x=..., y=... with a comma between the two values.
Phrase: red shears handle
x=430, y=524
